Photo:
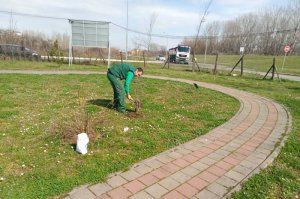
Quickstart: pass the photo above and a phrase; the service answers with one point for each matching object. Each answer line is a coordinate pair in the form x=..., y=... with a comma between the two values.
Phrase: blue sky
x=174, y=17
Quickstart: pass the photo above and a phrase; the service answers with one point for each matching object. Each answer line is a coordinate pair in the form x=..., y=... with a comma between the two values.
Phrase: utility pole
x=166, y=36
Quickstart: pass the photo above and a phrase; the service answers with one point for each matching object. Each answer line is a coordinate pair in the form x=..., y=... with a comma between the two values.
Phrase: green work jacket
x=123, y=71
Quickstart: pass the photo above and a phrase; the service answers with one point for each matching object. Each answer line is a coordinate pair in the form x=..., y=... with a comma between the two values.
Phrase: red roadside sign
x=286, y=48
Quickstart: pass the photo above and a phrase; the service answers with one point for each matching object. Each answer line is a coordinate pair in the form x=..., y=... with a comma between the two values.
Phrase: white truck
x=180, y=54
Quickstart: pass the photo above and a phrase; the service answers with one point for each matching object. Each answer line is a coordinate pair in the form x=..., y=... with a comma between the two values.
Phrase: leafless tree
x=212, y=34
x=199, y=28
x=149, y=30
x=145, y=41
x=264, y=32
x=294, y=8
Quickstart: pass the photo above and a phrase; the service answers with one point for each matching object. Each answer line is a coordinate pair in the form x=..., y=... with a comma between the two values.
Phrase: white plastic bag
x=82, y=142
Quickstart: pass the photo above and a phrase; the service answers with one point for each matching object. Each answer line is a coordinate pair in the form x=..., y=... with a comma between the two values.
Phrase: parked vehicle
x=180, y=54
x=161, y=58
x=13, y=50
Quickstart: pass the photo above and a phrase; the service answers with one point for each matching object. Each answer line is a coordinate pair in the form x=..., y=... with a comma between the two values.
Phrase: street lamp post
x=126, y=32
x=166, y=36
x=205, y=50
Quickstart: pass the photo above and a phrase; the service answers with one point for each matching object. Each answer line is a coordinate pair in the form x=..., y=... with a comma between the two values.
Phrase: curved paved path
x=210, y=166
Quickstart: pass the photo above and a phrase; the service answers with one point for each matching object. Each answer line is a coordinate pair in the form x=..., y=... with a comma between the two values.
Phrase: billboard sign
x=90, y=33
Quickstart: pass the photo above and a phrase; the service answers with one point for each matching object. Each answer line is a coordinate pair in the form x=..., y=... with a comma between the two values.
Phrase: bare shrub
x=78, y=121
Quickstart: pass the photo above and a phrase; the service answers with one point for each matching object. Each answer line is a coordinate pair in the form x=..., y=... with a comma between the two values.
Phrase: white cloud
x=242, y=3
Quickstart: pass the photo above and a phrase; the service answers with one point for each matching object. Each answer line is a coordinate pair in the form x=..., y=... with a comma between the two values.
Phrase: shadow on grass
x=106, y=103
x=73, y=145
x=294, y=88
x=101, y=102
x=53, y=66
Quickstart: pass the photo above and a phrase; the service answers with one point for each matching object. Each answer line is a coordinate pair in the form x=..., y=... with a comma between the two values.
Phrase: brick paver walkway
x=210, y=166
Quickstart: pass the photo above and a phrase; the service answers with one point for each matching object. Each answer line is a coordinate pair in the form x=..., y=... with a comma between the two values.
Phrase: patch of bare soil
x=135, y=115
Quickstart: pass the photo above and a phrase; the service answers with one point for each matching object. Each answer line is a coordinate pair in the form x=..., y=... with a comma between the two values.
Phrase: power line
x=122, y=27
x=154, y=34
x=31, y=15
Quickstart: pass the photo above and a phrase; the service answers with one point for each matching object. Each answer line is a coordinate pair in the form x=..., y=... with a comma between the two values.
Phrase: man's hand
x=129, y=97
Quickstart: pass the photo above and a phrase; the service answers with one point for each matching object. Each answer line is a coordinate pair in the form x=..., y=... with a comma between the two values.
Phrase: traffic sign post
x=286, y=50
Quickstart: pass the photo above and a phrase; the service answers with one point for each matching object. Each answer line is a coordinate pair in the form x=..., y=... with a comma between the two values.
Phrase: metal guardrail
x=94, y=59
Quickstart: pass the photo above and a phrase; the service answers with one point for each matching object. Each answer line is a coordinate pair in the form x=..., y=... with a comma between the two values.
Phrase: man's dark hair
x=140, y=69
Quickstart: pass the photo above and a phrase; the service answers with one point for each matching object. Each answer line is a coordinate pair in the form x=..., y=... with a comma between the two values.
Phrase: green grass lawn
x=39, y=65
x=40, y=116
x=43, y=108
x=251, y=62
x=256, y=62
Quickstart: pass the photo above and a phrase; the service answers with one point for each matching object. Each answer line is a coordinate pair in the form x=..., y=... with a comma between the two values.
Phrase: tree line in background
x=57, y=45
x=263, y=33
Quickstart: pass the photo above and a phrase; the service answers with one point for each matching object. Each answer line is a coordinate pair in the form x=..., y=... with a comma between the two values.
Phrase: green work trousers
x=119, y=92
